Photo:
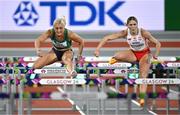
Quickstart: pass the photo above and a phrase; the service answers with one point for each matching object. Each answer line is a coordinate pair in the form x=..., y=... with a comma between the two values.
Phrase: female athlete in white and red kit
x=138, y=39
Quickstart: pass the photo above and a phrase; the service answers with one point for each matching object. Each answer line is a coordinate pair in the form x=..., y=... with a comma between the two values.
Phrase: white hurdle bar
x=103, y=58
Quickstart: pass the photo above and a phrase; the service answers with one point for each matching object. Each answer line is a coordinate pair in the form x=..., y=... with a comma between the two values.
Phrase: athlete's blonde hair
x=61, y=20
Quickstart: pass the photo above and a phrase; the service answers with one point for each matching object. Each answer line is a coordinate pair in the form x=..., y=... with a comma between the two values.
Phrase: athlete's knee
x=36, y=66
x=119, y=56
x=67, y=60
x=144, y=74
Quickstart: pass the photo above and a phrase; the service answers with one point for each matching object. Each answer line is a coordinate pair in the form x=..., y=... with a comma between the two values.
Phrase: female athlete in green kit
x=62, y=39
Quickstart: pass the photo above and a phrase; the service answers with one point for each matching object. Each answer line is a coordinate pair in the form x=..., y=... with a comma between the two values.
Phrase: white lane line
x=136, y=103
x=153, y=113
x=133, y=101
x=72, y=102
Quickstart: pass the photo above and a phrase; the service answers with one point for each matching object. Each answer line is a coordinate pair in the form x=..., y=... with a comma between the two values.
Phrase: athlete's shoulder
x=67, y=30
x=70, y=33
x=143, y=30
x=124, y=32
x=145, y=33
x=50, y=32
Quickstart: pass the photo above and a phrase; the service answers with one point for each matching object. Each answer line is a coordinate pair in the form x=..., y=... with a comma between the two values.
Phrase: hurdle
x=172, y=59
x=96, y=59
x=100, y=107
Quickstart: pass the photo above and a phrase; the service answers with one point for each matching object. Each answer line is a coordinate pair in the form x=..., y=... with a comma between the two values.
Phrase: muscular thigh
x=67, y=56
x=144, y=65
x=47, y=59
x=126, y=55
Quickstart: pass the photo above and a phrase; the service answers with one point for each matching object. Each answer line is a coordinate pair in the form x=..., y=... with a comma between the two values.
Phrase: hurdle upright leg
x=128, y=97
x=4, y=90
x=85, y=106
x=145, y=103
x=179, y=97
x=4, y=86
x=13, y=87
x=8, y=91
x=178, y=76
x=117, y=102
x=74, y=90
x=102, y=100
x=129, y=104
x=20, y=102
x=167, y=101
x=8, y=104
x=87, y=101
x=29, y=105
x=154, y=90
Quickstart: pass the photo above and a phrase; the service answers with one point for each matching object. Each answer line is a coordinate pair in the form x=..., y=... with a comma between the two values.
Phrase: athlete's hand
x=156, y=60
x=96, y=53
x=152, y=58
x=79, y=57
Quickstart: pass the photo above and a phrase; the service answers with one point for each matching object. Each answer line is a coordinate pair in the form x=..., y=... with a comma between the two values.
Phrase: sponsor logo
x=62, y=81
x=157, y=81
x=25, y=14
x=99, y=12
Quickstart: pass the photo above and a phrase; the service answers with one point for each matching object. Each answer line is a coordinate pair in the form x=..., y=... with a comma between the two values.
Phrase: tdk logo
x=25, y=14
x=96, y=13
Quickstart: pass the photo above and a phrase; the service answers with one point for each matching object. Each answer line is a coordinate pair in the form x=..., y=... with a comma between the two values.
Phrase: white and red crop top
x=137, y=42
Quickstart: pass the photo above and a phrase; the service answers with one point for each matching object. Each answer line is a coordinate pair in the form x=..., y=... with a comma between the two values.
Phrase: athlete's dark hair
x=132, y=18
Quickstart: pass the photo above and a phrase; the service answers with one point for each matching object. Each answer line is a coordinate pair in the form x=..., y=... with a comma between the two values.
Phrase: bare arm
x=152, y=39
x=107, y=38
x=41, y=39
x=76, y=38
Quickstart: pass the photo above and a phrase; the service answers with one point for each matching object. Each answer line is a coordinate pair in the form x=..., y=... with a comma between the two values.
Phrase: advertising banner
x=81, y=15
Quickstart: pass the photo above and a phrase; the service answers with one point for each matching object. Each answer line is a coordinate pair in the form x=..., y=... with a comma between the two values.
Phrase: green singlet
x=66, y=43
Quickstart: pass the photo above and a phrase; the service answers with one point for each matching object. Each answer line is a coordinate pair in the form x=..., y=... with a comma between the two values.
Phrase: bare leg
x=125, y=56
x=47, y=59
x=144, y=66
x=128, y=56
x=68, y=60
